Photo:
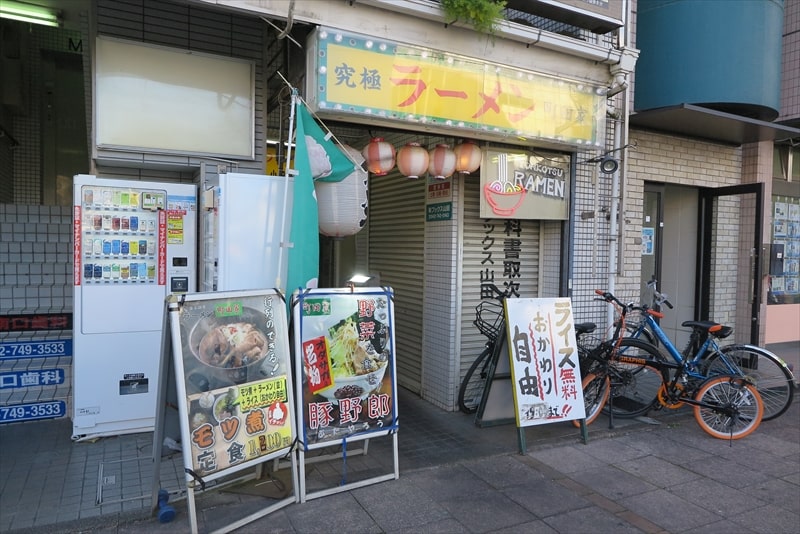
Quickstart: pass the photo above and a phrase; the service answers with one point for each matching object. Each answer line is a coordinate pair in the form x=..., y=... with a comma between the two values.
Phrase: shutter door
x=396, y=251
x=489, y=234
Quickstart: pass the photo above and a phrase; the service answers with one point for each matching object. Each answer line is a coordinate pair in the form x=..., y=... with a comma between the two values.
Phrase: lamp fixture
x=29, y=13
x=608, y=165
x=359, y=278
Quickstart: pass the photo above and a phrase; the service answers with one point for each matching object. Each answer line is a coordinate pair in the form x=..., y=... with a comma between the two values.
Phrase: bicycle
x=726, y=406
x=490, y=321
x=771, y=376
x=631, y=387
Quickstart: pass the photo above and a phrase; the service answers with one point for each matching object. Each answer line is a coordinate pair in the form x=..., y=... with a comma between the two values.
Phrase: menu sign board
x=344, y=341
x=237, y=386
x=544, y=361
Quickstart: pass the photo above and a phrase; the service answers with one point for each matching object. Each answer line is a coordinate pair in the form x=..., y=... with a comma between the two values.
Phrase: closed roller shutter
x=482, y=236
x=396, y=252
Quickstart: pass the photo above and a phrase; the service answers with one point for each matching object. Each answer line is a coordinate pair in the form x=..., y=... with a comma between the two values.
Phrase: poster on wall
x=544, y=361
x=344, y=341
x=234, y=379
x=648, y=239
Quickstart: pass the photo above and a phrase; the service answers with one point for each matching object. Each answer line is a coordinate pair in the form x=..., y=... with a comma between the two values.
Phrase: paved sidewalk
x=653, y=475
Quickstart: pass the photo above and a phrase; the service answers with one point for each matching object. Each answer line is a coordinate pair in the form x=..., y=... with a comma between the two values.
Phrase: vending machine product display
x=134, y=243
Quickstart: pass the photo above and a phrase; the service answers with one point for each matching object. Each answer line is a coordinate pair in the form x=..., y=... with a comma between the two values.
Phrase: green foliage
x=482, y=14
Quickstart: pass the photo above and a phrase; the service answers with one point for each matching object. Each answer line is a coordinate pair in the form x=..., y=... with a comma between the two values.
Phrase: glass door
x=730, y=273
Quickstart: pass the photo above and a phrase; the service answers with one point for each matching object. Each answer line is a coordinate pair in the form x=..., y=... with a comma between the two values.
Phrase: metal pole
x=287, y=172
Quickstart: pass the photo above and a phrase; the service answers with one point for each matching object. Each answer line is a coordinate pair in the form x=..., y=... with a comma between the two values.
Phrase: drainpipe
x=620, y=72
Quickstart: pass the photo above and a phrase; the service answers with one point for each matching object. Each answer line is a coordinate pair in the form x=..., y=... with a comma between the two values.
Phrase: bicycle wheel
x=721, y=393
x=771, y=376
x=634, y=386
x=471, y=389
x=596, y=388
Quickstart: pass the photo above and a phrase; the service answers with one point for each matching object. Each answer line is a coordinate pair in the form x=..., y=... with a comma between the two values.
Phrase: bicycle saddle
x=710, y=327
x=584, y=328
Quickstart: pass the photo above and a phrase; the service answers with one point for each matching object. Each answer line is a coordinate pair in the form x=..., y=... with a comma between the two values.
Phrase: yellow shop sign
x=370, y=78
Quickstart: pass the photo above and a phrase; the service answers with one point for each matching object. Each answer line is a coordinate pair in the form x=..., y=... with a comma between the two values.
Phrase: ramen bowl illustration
x=504, y=198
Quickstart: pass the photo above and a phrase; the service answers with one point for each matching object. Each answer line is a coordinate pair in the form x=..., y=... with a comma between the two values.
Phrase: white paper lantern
x=342, y=206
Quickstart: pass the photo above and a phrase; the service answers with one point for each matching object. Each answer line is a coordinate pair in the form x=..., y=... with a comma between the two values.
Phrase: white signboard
x=544, y=361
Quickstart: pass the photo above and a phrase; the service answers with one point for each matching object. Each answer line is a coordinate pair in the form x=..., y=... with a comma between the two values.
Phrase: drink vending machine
x=135, y=242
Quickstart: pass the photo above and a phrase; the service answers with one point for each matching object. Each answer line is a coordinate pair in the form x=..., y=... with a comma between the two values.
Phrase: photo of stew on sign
x=237, y=382
x=346, y=348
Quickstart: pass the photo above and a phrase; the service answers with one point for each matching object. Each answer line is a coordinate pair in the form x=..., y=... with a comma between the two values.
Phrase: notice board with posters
x=234, y=384
x=345, y=368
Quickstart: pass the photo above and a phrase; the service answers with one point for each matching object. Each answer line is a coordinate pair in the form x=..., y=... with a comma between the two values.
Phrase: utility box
x=776, y=256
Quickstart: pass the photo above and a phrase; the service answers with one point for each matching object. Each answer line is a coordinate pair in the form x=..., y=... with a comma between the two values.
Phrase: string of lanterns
x=414, y=161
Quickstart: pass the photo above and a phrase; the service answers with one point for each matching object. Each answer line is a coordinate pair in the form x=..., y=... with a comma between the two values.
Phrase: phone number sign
x=35, y=349
x=32, y=412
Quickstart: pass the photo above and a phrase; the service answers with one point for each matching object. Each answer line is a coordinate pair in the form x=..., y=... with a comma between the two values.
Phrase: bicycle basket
x=489, y=318
x=586, y=344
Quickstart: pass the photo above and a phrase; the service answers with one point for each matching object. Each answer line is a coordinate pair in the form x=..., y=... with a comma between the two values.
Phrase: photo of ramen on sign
x=347, y=363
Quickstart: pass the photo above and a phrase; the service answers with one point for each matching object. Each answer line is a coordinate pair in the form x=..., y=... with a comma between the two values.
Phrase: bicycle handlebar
x=658, y=297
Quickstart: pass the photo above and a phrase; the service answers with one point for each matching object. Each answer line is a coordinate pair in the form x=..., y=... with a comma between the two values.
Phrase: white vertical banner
x=544, y=361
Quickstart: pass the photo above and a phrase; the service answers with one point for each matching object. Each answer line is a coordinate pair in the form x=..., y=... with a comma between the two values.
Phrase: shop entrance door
x=669, y=252
x=730, y=273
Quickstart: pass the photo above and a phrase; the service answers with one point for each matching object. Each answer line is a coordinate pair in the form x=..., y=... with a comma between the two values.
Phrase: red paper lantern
x=442, y=162
x=468, y=157
x=379, y=156
x=412, y=160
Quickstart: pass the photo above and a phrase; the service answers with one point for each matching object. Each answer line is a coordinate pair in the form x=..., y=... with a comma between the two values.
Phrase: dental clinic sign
x=525, y=185
x=367, y=79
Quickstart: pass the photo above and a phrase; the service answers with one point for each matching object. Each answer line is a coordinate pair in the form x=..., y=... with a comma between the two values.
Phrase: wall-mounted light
x=608, y=165
x=29, y=13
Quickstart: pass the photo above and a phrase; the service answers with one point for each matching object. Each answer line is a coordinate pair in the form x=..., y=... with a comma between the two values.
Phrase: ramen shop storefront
x=441, y=239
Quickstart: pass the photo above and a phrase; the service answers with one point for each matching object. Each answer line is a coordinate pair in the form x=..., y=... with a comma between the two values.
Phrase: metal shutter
x=396, y=252
x=475, y=232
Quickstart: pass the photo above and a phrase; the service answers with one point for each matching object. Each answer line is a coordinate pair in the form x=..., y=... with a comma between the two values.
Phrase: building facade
x=623, y=227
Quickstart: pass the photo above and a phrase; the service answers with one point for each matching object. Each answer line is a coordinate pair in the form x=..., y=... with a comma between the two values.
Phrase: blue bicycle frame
x=709, y=346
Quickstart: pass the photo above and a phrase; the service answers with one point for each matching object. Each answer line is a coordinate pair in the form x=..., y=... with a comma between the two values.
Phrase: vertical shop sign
x=544, y=361
x=501, y=251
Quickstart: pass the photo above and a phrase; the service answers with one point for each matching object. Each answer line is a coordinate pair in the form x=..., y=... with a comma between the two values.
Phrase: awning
x=708, y=124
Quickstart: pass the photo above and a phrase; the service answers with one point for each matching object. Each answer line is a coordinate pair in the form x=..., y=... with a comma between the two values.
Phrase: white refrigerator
x=245, y=221
x=135, y=242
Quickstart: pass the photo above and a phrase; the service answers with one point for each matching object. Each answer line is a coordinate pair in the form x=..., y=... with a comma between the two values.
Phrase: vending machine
x=135, y=242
